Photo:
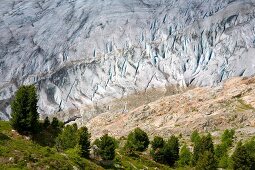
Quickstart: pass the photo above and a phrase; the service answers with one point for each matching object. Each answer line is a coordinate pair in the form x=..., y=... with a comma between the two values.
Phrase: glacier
x=80, y=52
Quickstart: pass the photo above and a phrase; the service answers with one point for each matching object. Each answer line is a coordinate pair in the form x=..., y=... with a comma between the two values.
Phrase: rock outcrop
x=83, y=52
x=231, y=106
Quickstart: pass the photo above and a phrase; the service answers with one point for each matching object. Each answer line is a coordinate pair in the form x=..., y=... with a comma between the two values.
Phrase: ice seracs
x=81, y=52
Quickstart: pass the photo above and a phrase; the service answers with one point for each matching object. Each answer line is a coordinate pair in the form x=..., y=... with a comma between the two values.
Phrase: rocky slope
x=205, y=109
x=83, y=52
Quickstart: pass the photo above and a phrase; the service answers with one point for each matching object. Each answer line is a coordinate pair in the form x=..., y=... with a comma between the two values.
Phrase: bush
x=74, y=155
x=137, y=141
x=185, y=157
x=25, y=118
x=107, y=146
x=84, y=141
x=68, y=138
x=55, y=161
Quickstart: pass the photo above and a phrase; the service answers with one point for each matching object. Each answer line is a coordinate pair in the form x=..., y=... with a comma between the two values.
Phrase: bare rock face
x=231, y=106
x=80, y=52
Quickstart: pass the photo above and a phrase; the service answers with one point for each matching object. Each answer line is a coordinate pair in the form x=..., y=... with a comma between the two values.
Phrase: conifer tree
x=107, y=146
x=68, y=138
x=241, y=158
x=156, y=149
x=158, y=142
x=84, y=141
x=185, y=156
x=33, y=116
x=195, y=137
x=138, y=140
x=206, y=161
x=46, y=122
x=228, y=137
x=221, y=150
x=55, y=123
x=171, y=151
x=25, y=118
x=205, y=144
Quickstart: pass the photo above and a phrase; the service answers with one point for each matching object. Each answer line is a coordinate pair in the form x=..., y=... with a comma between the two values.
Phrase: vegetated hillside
x=20, y=152
x=80, y=52
x=51, y=145
x=202, y=108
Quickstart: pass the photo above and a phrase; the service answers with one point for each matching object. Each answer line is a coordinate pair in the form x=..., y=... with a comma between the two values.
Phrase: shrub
x=74, y=155
x=25, y=118
x=137, y=141
x=107, y=146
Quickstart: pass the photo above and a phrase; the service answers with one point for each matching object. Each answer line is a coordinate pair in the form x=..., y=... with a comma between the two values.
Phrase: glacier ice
x=84, y=51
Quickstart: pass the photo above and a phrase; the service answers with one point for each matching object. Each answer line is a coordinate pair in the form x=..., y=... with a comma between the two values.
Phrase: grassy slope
x=16, y=152
x=141, y=162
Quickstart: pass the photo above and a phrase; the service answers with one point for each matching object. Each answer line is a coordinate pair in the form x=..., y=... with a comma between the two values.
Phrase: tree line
x=202, y=153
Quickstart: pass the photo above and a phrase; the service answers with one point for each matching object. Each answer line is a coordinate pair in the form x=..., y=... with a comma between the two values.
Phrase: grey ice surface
x=84, y=51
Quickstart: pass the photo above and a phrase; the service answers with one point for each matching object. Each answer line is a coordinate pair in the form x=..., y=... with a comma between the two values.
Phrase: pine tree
x=33, y=116
x=19, y=110
x=68, y=138
x=25, y=118
x=107, y=146
x=55, y=123
x=206, y=161
x=241, y=158
x=158, y=142
x=46, y=122
x=156, y=149
x=185, y=156
x=195, y=137
x=221, y=150
x=205, y=144
x=84, y=141
x=138, y=140
x=228, y=137
x=171, y=151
